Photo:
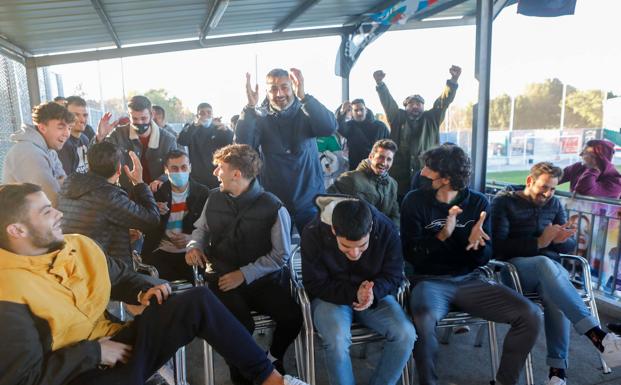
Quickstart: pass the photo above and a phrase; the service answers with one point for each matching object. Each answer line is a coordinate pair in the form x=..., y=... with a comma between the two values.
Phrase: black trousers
x=160, y=330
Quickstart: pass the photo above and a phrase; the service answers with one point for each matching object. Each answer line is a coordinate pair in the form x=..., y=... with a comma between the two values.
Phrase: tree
x=584, y=109
x=540, y=105
x=500, y=112
x=175, y=112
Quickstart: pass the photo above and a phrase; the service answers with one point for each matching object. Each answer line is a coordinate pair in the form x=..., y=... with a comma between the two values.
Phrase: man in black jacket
x=54, y=289
x=530, y=230
x=180, y=200
x=95, y=206
x=243, y=237
x=361, y=131
x=444, y=230
x=352, y=266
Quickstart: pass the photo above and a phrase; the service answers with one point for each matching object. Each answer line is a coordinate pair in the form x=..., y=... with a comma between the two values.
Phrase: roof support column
x=32, y=78
x=481, y=109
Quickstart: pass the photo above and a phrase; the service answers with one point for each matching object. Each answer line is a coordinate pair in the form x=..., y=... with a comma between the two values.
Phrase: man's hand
x=160, y=292
x=379, y=76
x=135, y=175
x=253, y=95
x=231, y=280
x=548, y=235
x=155, y=185
x=195, y=257
x=180, y=240
x=105, y=127
x=134, y=235
x=449, y=226
x=298, y=82
x=364, y=296
x=345, y=108
x=455, y=72
x=113, y=352
x=565, y=232
x=477, y=236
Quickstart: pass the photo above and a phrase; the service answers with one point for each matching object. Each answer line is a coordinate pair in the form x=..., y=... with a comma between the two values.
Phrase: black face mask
x=425, y=183
x=141, y=128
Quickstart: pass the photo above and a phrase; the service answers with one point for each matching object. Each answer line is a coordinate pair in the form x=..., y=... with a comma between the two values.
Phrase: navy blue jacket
x=517, y=223
x=330, y=276
x=361, y=136
x=423, y=216
x=291, y=169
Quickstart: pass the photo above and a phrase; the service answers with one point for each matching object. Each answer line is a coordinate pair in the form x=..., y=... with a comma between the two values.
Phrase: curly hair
x=241, y=157
x=450, y=161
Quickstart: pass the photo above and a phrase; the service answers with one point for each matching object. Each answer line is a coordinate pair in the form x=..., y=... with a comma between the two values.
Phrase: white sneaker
x=612, y=350
x=288, y=380
x=556, y=381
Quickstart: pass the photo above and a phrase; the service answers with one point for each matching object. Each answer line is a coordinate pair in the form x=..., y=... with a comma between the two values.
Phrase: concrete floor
x=461, y=363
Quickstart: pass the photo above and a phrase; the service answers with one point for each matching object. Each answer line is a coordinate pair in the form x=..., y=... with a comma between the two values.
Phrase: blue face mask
x=179, y=179
x=207, y=122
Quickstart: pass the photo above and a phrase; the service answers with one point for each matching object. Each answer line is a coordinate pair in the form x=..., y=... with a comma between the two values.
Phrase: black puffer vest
x=237, y=240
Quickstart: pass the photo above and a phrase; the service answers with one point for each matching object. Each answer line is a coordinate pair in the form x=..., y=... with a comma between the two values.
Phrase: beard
x=45, y=239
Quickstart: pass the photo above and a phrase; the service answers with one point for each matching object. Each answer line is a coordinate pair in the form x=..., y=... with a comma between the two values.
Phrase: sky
x=580, y=49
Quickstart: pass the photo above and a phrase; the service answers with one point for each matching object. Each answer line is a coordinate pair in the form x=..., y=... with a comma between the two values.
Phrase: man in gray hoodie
x=33, y=157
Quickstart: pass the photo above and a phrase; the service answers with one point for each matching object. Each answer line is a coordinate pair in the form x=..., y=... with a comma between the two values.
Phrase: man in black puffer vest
x=243, y=239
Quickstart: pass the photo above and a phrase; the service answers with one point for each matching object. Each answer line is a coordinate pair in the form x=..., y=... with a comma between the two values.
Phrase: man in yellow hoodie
x=54, y=289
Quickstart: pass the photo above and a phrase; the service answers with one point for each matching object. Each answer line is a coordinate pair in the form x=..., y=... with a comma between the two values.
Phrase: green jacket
x=378, y=190
x=413, y=136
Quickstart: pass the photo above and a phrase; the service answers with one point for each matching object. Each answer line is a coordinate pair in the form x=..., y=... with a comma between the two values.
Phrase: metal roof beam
x=291, y=17
x=434, y=10
x=213, y=6
x=106, y=21
x=499, y=5
x=376, y=8
x=14, y=51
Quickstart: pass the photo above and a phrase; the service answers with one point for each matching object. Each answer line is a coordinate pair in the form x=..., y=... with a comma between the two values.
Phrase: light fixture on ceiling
x=217, y=15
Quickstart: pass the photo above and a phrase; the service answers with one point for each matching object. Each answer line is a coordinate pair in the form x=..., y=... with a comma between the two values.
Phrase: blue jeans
x=387, y=318
x=562, y=304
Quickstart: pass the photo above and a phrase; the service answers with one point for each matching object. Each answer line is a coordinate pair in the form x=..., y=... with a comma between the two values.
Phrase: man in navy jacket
x=284, y=130
x=444, y=230
x=352, y=265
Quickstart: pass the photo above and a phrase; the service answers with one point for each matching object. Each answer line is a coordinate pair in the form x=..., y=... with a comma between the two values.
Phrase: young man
x=371, y=182
x=412, y=128
x=33, y=157
x=159, y=117
x=444, y=227
x=352, y=266
x=203, y=137
x=73, y=153
x=143, y=136
x=530, y=230
x=95, y=206
x=54, y=289
x=180, y=200
x=285, y=131
x=243, y=238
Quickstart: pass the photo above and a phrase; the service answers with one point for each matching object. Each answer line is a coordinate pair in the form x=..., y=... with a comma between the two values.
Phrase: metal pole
x=32, y=78
x=482, y=73
x=345, y=89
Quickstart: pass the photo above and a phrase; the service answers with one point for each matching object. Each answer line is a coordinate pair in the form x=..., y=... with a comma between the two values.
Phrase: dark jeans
x=162, y=329
x=170, y=266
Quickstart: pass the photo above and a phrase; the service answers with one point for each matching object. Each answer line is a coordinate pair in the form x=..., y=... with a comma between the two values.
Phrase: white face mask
x=206, y=122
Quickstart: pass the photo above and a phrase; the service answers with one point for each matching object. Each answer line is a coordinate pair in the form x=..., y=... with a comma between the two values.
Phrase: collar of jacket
x=247, y=197
x=287, y=112
x=365, y=166
x=154, y=139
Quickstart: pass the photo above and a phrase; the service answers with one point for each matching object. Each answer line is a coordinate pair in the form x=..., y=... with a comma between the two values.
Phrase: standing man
x=243, y=236
x=159, y=117
x=73, y=153
x=412, y=128
x=33, y=157
x=530, y=230
x=361, y=131
x=352, y=267
x=444, y=227
x=286, y=131
x=371, y=182
x=143, y=136
x=203, y=137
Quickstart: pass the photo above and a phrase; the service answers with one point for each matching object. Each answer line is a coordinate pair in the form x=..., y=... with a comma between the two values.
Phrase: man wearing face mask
x=412, y=128
x=143, y=136
x=94, y=205
x=285, y=132
x=202, y=138
x=371, y=182
x=180, y=200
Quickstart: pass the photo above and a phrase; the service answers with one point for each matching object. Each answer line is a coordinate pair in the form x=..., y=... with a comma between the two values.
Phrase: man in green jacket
x=371, y=182
x=412, y=128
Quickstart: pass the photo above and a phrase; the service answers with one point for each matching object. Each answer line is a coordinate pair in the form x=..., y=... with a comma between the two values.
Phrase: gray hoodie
x=30, y=160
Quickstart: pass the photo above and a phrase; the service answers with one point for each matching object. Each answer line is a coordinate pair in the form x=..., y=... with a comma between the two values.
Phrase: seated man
x=180, y=200
x=530, y=230
x=352, y=266
x=245, y=232
x=95, y=206
x=444, y=231
x=371, y=182
x=53, y=293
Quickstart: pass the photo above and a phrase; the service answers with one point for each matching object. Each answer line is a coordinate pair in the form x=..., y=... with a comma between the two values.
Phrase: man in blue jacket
x=530, y=230
x=352, y=265
x=284, y=130
x=444, y=231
